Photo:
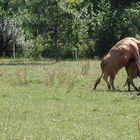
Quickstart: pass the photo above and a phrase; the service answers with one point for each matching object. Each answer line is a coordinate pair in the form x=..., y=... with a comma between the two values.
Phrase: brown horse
x=118, y=57
x=132, y=73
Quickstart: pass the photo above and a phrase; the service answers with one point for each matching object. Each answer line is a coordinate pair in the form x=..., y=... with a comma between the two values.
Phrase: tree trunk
x=56, y=46
x=14, y=51
x=56, y=20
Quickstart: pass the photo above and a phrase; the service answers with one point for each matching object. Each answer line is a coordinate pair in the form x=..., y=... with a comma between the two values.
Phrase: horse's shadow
x=133, y=92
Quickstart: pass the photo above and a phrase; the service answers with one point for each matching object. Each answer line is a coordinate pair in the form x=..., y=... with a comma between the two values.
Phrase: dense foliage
x=65, y=28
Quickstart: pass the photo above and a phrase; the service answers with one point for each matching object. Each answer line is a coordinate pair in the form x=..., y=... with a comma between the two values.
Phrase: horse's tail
x=98, y=81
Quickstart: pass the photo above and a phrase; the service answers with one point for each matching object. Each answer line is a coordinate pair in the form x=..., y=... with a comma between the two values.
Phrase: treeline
x=65, y=28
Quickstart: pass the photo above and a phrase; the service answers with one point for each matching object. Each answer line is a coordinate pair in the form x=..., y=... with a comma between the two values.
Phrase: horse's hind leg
x=105, y=77
x=112, y=77
x=130, y=82
x=127, y=83
x=134, y=86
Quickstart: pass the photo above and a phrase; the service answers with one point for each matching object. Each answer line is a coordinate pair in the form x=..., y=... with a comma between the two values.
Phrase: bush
x=33, y=48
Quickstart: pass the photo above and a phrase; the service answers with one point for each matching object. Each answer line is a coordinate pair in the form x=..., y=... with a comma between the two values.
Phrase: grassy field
x=44, y=100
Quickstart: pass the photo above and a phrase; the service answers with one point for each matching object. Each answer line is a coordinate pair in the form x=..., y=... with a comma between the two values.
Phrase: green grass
x=44, y=100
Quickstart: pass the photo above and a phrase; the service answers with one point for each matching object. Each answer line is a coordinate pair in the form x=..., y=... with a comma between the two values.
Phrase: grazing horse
x=132, y=73
x=118, y=57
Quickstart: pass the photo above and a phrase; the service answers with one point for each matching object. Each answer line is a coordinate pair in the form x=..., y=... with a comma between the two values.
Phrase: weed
x=139, y=128
x=62, y=77
x=71, y=82
x=85, y=68
x=22, y=76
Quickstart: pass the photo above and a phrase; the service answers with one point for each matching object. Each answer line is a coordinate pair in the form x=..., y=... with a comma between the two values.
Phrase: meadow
x=45, y=100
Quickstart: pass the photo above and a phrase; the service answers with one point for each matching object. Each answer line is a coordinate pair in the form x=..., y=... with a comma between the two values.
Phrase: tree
x=62, y=26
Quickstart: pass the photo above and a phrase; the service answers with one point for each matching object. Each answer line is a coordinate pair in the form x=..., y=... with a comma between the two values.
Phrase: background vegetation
x=65, y=28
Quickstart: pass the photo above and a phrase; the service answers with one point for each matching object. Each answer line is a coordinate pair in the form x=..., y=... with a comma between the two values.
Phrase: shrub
x=34, y=47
